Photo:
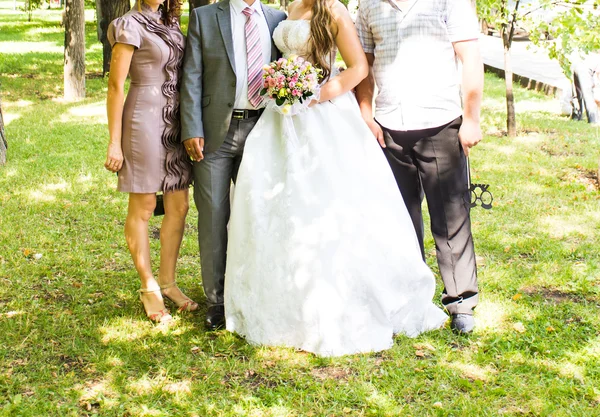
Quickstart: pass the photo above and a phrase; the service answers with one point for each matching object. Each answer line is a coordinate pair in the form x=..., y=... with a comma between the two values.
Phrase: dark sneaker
x=462, y=323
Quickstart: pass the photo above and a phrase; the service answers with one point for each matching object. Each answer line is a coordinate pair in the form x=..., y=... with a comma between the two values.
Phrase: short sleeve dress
x=154, y=157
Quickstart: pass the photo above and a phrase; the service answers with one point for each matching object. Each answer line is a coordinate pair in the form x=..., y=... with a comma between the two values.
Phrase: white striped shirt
x=415, y=64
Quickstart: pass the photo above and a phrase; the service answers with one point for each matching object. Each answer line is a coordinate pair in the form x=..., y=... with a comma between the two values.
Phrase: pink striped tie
x=255, y=59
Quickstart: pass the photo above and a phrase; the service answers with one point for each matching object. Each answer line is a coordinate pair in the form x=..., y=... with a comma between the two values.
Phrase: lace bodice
x=291, y=37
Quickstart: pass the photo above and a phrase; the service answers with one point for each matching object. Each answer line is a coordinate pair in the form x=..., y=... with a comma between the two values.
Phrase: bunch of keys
x=480, y=194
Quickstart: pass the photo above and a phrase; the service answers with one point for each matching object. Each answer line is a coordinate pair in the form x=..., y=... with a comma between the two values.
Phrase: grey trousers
x=583, y=77
x=432, y=162
x=212, y=185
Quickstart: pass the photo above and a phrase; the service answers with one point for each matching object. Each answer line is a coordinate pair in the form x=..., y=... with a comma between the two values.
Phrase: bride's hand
x=313, y=102
x=377, y=131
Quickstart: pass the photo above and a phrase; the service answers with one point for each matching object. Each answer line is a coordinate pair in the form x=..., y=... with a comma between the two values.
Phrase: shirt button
x=229, y=104
x=233, y=85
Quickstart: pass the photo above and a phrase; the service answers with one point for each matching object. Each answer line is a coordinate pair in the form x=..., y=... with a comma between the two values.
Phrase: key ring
x=480, y=194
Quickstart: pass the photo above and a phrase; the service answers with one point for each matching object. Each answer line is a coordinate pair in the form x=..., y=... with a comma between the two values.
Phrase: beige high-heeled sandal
x=161, y=316
x=187, y=305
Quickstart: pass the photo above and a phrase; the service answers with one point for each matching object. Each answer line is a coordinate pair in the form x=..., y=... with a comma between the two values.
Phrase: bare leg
x=171, y=234
x=141, y=207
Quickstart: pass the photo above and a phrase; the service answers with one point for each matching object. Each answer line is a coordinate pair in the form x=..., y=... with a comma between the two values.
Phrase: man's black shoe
x=462, y=323
x=215, y=318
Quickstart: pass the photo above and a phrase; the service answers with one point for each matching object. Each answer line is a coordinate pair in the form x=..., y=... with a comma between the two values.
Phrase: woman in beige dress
x=145, y=148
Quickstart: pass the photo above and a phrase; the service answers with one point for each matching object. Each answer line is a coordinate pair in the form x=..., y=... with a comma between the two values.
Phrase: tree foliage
x=29, y=6
x=575, y=27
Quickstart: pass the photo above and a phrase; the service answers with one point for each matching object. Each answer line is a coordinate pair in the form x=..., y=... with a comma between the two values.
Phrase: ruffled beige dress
x=154, y=157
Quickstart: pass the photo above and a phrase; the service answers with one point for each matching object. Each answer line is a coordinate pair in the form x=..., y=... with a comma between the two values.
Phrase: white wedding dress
x=322, y=253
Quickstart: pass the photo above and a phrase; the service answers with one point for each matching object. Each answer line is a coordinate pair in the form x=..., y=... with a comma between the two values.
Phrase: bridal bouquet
x=291, y=84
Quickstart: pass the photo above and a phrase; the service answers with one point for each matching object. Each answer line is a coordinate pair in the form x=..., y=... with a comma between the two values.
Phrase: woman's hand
x=376, y=130
x=114, y=158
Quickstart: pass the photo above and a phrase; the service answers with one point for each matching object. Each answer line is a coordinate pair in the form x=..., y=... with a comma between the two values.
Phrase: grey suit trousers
x=432, y=162
x=212, y=184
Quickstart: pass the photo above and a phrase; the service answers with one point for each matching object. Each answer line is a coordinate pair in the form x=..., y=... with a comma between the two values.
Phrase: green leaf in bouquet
x=263, y=91
x=280, y=101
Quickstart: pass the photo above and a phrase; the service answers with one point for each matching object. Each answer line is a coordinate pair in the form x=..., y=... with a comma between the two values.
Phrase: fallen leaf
x=424, y=346
x=517, y=297
x=420, y=354
x=77, y=284
x=507, y=249
x=195, y=350
x=519, y=327
x=438, y=404
x=550, y=329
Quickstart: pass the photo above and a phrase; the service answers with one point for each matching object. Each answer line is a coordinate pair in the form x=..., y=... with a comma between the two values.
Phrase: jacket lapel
x=224, y=18
x=272, y=22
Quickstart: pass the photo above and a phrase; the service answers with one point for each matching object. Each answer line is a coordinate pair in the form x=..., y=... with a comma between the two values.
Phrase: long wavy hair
x=170, y=10
x=322, y=36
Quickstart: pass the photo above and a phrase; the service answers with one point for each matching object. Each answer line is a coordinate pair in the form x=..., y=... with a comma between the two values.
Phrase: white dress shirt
x=238, y=26
x=415, y=64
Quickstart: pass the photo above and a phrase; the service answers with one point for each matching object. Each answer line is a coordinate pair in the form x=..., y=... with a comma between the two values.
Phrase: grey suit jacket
x=209, y=82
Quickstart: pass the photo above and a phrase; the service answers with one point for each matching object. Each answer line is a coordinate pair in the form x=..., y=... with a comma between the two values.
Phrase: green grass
x=74, y=340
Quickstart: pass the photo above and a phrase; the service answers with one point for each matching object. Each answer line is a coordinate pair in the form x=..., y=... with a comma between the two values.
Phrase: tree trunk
x=511, y=121
x=106, y=12
x=3, y=143
x=74, y=50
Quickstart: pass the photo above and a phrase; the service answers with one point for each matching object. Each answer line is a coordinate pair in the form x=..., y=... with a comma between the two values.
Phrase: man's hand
x=195, y=148
x=376, y=130
x=469, y=135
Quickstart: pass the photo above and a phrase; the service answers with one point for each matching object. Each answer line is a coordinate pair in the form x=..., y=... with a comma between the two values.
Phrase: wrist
x=471, y=119
x=367, y=116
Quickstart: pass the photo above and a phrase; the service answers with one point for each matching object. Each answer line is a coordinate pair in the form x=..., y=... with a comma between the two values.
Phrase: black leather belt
x=246, y=114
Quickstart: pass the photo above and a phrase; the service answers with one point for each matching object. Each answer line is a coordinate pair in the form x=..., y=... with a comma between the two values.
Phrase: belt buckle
x=239, y=114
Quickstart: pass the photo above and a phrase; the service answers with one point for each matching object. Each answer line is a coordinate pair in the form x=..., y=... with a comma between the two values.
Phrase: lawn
x=74, y=340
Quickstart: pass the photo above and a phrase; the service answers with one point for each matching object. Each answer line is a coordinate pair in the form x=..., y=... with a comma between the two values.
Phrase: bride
x=322, y=254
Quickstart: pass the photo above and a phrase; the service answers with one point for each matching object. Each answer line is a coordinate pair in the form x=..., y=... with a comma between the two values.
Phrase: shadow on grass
x=534, y=354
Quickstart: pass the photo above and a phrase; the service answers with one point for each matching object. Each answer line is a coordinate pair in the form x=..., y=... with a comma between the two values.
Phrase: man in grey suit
x=227, y=45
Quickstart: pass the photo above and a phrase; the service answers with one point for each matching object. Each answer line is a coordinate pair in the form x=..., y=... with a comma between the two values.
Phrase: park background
x=74, y=340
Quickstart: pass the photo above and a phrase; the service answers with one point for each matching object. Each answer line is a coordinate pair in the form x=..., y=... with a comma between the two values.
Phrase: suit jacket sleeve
x=191, y=83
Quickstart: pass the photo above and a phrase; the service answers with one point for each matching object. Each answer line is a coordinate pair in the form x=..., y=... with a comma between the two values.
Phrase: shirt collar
x=238, y=6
